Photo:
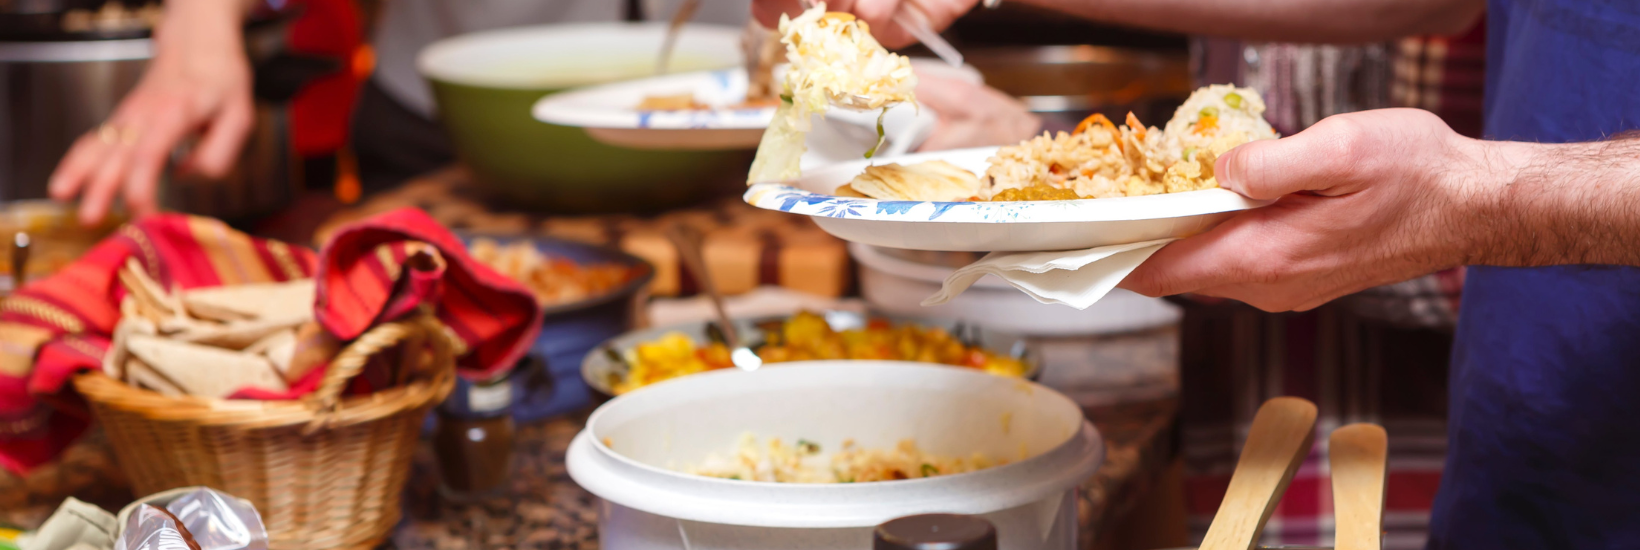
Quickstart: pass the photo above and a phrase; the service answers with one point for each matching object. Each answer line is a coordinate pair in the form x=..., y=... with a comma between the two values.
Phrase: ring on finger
x=113, y=134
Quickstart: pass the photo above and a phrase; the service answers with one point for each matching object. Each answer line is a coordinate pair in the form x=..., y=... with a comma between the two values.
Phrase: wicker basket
x=324, y=472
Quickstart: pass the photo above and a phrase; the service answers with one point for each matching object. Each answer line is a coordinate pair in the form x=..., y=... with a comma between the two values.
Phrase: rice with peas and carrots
x=804, y=462
x=1101, y=160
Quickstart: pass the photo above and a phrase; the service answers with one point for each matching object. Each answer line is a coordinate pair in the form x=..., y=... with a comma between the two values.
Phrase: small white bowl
x=946, y=411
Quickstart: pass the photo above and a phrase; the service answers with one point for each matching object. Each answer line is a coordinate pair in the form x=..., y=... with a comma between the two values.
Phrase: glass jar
x=474, y=440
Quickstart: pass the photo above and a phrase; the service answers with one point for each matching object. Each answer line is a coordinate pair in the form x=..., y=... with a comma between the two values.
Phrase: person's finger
x=75, y=170
x=99, y=193
x=879, y=14
x=943, y=95
x=768, y=12
x=1197, y=264
x=161, y=131
x=220, y=147
x=1321, y=158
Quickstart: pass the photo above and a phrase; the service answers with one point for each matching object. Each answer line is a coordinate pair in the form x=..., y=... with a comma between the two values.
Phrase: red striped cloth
x=372, y=272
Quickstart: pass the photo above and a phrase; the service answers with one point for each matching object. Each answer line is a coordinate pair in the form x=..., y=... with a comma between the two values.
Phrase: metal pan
x=601, y=371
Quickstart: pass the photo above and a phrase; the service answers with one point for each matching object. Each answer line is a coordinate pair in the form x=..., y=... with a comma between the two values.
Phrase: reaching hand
x=877, y=13
x=1366, y=199
x=199, y=80
x=973, y=115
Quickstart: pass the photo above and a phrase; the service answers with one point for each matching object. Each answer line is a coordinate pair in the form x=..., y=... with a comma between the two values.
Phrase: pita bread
x=204, y=370
x=315, y=346
x=144, y=376
x=236, y=335
x=279, y=348
x=114, y=360
x=287, y=300
x=934, y=180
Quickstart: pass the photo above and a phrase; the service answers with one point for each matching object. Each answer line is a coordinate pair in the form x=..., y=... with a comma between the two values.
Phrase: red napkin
x=372, y=272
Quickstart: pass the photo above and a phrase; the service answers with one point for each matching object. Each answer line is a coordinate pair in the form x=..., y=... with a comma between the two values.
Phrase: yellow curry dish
x=808, y=337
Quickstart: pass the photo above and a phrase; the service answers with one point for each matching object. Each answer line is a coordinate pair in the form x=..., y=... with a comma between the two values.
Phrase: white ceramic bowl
x=947, y=411
x=991, y=226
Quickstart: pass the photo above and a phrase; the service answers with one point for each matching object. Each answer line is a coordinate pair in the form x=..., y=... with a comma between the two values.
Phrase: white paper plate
x=608, y=113
x=991, y=226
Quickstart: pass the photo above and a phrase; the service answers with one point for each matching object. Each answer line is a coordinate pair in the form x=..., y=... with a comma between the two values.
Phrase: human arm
x=1326, y=21
x=972, y=115
x=198, y=80
x=1377, y=197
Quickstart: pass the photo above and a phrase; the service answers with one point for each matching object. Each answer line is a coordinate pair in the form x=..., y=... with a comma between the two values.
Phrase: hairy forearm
x=1328, y=21
x=191, y=24
x=1557, y=204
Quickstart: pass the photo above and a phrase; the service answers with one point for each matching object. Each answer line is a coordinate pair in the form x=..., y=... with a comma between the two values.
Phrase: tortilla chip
x=315, y=346
x=934, y=180
x=143, y=375
x=114, y=361
x=236, y=335
x=279, y=348
x=848, y=191
x=287, y=300
x=204, y=370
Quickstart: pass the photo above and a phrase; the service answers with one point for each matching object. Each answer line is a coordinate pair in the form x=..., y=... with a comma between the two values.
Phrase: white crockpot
x=626, y=453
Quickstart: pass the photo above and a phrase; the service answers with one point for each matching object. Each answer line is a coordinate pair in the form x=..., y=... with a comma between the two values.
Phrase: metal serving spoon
x=686, y=11
x=688, y=242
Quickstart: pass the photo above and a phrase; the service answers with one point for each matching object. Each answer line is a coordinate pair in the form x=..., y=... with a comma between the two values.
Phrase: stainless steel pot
x=1066, y=83
x=53, y=91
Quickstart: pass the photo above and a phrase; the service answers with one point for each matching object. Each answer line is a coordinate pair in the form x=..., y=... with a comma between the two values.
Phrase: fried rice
x=1101, y=160
x=804, y=462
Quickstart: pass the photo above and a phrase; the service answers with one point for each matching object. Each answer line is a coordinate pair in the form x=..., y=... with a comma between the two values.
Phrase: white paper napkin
x=1076, y=278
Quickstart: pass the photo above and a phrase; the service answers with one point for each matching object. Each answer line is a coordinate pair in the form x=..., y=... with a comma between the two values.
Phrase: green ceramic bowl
x=486, y=83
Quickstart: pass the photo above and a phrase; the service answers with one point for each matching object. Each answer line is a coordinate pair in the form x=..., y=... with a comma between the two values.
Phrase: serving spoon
x=1358, y=454
x=686, y=11
x=1277, y=443
x=688, y=241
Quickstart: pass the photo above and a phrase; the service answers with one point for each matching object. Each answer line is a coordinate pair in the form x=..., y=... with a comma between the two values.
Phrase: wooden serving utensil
x=1276, y=445
x=1359, y=454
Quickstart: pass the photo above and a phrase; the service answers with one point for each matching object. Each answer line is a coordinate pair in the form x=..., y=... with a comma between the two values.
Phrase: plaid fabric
x=1445, y=75
x=372, y=272
x=1234, y=357
x=1345, y=355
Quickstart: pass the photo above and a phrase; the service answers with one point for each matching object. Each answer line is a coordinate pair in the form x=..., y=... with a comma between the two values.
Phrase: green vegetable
x=1233, y=99
x=808, y=447
x=786, y=98
x=928, y=470
x=1189, y=151
x=879, y=144
x=1209, y=111
x=735, y=477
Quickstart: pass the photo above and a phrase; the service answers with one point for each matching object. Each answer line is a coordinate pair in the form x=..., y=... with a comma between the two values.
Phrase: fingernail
x=1223, y=173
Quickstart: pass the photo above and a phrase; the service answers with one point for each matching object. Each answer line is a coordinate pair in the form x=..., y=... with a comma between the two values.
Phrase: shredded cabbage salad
x=833, y=61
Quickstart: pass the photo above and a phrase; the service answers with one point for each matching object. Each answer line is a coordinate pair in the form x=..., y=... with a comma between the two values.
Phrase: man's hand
x=199, y=80
x=1366, y=199
x=877, y=13
x=973, y=115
